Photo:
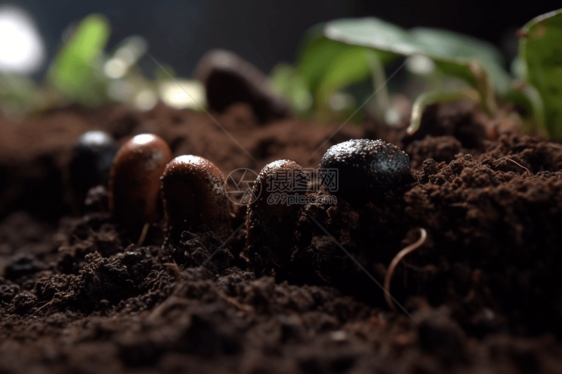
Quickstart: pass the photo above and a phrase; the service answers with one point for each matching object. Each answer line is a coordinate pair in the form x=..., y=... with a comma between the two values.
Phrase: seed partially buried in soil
x=194, y=196
x=134, y=184
x=270, y=224
x=90, y=163
x=366, y=168
x=229, y=79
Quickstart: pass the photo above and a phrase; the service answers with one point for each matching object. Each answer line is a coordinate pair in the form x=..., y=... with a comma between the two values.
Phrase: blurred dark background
x=265, y=33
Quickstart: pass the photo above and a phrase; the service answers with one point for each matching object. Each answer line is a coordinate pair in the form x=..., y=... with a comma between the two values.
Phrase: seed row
x=189, y=192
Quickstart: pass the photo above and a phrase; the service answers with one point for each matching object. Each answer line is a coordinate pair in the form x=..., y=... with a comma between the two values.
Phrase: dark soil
x=484, y=290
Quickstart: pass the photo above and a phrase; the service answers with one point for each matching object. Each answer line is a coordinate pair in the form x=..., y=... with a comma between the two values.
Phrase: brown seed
x=195, y=197
x=134, y=183
x=271, y=222
x=229, y=79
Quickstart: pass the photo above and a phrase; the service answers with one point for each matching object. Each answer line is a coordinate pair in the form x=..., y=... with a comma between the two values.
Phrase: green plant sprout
x=340, y=53
x=432, y=97
x=456, y=55
x=290, y=84
x=381, y=101
x=19, y=95
x=76, y=70
x=527, y=97
x=83, y=72
x=327, y=55
x=334, y=58
x=541, y=50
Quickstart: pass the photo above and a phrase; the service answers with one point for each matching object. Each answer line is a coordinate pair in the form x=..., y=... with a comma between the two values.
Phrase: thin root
x=236, y=303
x=395, y=261
x=143, y=234
x=53, y=299
x=558, y=146
x=173, y=266
x=518, y=164
x=168, y=303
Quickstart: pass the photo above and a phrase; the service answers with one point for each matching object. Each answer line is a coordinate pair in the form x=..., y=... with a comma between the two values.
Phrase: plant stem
x=433, y=97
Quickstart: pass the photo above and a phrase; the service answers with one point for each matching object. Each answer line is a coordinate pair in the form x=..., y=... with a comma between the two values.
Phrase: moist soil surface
x=481, y=294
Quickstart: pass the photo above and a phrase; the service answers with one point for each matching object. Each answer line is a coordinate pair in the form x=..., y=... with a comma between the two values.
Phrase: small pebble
x=229, y=79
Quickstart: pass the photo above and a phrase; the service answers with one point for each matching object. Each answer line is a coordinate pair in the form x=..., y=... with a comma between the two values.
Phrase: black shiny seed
x=365, y=167
x=91, y=161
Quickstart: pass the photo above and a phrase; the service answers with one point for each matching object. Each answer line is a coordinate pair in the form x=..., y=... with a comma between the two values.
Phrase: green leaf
x=289, y=84
x=316, y=58
x=475, y=61
x=76, y=71
x=345, y=69
x=318, y=55
x=372, y=32
x=381, y=98
x=527, y=97
x=434, y=97
x=328, y=65
x=541, y=49
x=449, y=47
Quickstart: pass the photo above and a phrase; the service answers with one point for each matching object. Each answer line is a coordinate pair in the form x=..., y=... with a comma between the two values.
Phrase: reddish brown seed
x=134, y=183
x=195, y=198
x=271, y=221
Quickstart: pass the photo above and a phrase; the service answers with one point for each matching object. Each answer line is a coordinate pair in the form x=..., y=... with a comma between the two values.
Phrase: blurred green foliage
x=77, y=69
x=338, y=55
x=84, y=72
x=341, y=65
x=541, y=50
x=454, y=53
x=343, y=53
x=291, y=85
x=19, y=95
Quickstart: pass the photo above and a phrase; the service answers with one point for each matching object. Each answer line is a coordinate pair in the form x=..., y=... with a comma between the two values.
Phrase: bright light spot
x=143, y=139
x=145, y=99
x=340, y=101
x=421, y=65
x=94, y=137
x=182, y=94
x=126, y=55
x=115, y=68
x=132, y=48
x=223, y=59
x=21, y=47
x=189, y=159
x=392, y=116
x=338, y=336
x=120, y=90
x=399, y=109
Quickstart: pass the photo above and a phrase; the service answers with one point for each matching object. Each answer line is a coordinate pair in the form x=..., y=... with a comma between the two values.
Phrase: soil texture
x=481, y=294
